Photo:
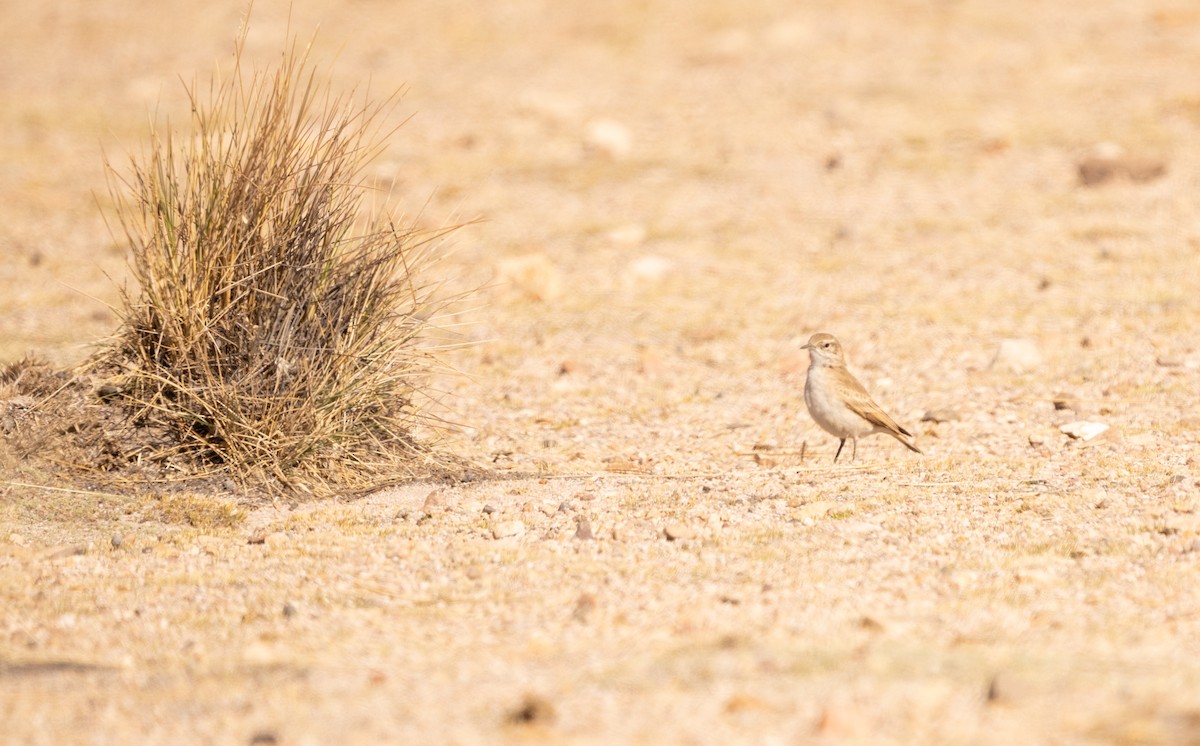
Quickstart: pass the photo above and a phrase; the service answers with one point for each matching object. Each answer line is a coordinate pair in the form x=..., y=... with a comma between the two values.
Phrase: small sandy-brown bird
x=839, y=403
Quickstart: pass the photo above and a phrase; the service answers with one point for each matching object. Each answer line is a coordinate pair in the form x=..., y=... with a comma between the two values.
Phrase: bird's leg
x=839, y=450
x=854, y=452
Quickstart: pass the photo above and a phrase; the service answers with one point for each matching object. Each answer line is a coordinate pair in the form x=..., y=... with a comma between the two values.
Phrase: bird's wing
x=861, y=403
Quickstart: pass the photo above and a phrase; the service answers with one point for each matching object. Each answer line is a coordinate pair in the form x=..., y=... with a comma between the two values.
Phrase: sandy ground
x=673, y=196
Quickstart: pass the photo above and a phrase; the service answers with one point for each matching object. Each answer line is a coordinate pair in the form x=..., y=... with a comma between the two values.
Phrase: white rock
x=1017, y=355
x=650, y=267
x=1084, y=429
x=609, y=137
x=678, y=530
x=505, y=529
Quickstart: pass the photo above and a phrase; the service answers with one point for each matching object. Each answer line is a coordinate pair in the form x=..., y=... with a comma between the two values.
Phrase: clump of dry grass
x=274, y=333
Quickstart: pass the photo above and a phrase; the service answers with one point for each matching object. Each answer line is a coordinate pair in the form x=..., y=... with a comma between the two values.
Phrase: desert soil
x=672, y=195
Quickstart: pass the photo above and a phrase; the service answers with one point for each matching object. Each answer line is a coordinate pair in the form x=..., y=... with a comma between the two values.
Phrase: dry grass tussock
x=274, y=335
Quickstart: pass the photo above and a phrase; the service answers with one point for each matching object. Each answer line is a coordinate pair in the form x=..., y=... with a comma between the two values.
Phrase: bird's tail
x=905, y=441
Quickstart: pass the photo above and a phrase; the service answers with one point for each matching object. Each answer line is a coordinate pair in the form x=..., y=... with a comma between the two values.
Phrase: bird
x=839, y=403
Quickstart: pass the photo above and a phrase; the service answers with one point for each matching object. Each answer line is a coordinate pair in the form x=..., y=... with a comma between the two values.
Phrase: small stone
x=507, y=529
x=1084, y=429
x=583, y=530
x=1065, y=401
x=264, y=738
x=609, y=137
x=1037, y=440
x=435, y=500
x=677, y=531
x=584, y=606
x=650, y=268
x=1095, y=170
x=289, y=610
x=1108, y=161
x=532, y=710
x=1168, y=362
x=117, y=541
x=109, y=390
x=1098, y=169
x=1005, y=688
x=1017, y=355
x=944, y=414
x=1097, y=497
x=488, y=509
x=1181, y=523
x=564, y=507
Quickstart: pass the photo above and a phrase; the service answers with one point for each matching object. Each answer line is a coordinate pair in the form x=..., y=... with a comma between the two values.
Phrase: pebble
x=1108, y=161
x=435, y=500
x=117, y=541
x=506, y=529
x=584, y=530
x=1182, y=523
x=1005, y=688
x=1017, y=355
x=609, y=137
x=584, y=605
x=1084, y=429
x=533, y=709
x=1065, y=401
x=650, y=268
x=945, y=414
x=677, y=531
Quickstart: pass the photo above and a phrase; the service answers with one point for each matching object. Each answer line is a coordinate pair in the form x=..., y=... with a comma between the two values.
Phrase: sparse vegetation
x=1014, y=585
x=273, y=332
